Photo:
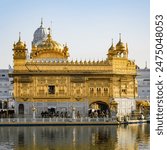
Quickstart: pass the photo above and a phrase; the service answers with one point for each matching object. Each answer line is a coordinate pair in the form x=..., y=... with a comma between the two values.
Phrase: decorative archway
x=100, y=107
x=21, y=109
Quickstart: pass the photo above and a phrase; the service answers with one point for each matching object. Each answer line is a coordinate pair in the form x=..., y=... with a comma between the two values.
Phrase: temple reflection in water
x=131, y=137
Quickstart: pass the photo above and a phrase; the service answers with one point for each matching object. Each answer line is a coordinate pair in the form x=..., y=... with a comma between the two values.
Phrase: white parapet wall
x=125, y=106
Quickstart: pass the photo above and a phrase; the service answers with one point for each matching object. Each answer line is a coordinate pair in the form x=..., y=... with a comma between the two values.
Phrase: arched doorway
x=101, y=109
x=0, y=104
x=21, y=109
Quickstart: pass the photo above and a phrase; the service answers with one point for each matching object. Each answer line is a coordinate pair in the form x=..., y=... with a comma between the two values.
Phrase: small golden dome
x=120, y=44
x=19, y=44
x=50, y=44
x=112, y=47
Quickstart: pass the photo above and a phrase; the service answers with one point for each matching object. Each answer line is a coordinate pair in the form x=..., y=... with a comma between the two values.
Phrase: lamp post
x=33, y=111
x=73, y=112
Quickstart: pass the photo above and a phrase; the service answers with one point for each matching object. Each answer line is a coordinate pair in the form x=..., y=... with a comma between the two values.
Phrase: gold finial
x=51, y=24
x=119, y=37
x=14, y=44
x=24, y=43
x=112, y=44
x=49, y=35
x=49, y=30
x=19, y=36
x=126, y=46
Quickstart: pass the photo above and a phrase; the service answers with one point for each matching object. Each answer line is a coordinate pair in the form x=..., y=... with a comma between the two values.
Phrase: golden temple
x=48, y=79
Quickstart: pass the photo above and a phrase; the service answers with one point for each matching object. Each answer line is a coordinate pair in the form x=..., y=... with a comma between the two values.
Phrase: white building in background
x=143, y=78
x=6, y=89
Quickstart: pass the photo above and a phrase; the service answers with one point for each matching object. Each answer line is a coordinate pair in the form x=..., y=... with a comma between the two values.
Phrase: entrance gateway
x=99, y=109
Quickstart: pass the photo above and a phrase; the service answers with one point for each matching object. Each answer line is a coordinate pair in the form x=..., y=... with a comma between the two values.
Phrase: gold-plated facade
x=49, y=77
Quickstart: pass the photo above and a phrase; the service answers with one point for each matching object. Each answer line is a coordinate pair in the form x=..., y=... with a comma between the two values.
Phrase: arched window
x=91, y=91
x=98, y=91
x=105, y=91
x=0, y=104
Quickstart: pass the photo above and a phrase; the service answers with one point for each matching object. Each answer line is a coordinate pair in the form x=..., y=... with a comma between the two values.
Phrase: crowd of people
x=66, y=114
x=58, y=114
x=98, y=113
x=6, y=113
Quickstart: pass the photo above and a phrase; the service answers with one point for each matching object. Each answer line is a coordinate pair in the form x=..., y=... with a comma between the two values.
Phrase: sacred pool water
x=123, y=137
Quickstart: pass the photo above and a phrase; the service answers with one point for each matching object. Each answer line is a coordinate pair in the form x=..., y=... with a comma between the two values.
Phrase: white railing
x=54, y=120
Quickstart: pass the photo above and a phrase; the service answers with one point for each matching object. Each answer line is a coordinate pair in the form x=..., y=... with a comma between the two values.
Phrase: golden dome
x=50, y=44
x=19, y=44
x=49, y=49
x=112, y=47
x=120, y=45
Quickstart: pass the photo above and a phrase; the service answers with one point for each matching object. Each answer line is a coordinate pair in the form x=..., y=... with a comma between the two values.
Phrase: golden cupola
x=120, y=51
x=19, y=45
x=111, y=51
x=120, y=44
x=112, y=48
x=49, y=49
x=50, y=44
x=20, y=50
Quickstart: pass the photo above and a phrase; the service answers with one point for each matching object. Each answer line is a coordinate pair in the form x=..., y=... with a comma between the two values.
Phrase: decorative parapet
x=63, y=65
x=66, y=62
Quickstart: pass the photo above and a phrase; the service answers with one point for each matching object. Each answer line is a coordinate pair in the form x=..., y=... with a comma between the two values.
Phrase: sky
x=87, y=26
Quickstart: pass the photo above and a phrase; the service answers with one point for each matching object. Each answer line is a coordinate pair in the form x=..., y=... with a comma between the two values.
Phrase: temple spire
x=112, y=42
x=127, y=46
x=112, y=45
x=119, y=37
x=49, y=34
x=49, y=29
x=19, y=36
x=41, y=22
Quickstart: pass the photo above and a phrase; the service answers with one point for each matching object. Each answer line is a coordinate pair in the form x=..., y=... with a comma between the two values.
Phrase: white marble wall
x=143, y=78
x=6, y=87
x=125, y=106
